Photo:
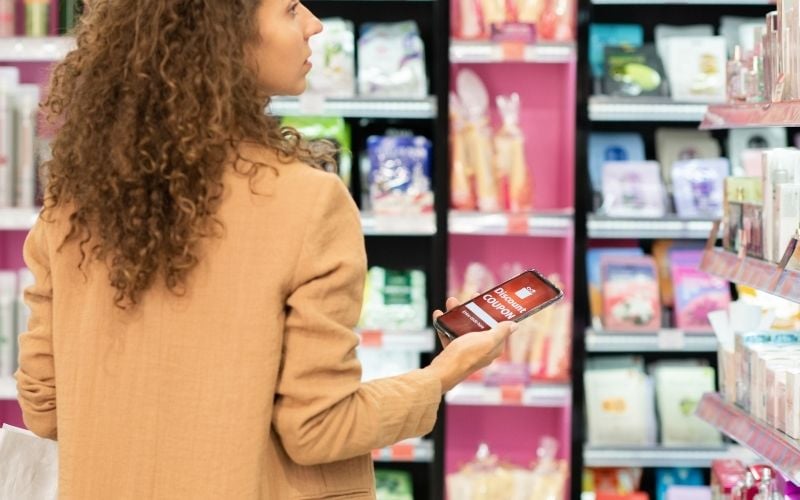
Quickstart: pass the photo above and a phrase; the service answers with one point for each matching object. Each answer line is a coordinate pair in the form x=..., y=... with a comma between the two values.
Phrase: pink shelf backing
x=778, y=114
x=777, y=448
x=547, y=255
x=10, y=413
x=547, y=118
x=513, y=433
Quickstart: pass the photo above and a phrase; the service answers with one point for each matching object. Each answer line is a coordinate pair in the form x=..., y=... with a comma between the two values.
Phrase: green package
x=334, y=129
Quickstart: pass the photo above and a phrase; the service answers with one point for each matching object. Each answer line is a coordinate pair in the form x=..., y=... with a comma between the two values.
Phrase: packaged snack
x=678, y=392
x=332, y=129
x=619, y=407
x=633, y=189
x=633, y=72
x=594, y=274
x=698, y=187
x=630, y=294
x=394, y=485
x=462, y=178
x=696, y=293
x=511, y=167
x=399, y=180
x=333, y=59
x=391, y=61
x=605, y=147
x=394, y=300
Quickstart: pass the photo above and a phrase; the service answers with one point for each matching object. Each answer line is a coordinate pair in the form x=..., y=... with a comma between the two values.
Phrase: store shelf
x=420, y=451
x=546, y=224
x=418, y=341
x=492, y=52
x=778, y=114
x=643, y=109
x=669, y=227
x=358, y=107
x=754, y=273
x=539, y=395
x=777, y=448
x=35, y=49
x=8, y=388
x=658, y=456
x=665, y=340
x=398, y=225
x=18, y=219
x=683, y=2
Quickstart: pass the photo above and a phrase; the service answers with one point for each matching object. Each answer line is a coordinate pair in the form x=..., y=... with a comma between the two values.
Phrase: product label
x=506, y=302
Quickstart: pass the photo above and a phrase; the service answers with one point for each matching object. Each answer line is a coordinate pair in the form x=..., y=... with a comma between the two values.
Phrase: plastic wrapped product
x=391, y=61
x=400, y=174
x=333, y=57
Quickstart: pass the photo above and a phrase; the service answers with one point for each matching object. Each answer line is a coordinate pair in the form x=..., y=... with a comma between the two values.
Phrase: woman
x=197, y=282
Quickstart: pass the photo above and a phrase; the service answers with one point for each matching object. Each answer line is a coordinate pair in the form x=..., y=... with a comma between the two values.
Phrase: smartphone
x=518, y=298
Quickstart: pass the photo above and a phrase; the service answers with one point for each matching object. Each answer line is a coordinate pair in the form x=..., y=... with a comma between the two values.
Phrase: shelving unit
x=682, y=2
x=665, y=340
x=659, y=456
x=462, y=52
x=777, y=448
x=8, y=389
x=416, y=452
x=536, y=395
x=667, y=227
x=421, y=341
x=398, y=225
x=643, y=109
x=727, y=116
x=34, y=49
x=545, y=224
x=357, y=107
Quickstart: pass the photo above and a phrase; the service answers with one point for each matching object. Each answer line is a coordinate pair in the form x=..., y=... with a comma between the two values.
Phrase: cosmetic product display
x=633, y=189
x=519, y=20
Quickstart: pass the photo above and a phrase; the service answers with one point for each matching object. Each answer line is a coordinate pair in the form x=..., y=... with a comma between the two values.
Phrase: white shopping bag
x=28, y=466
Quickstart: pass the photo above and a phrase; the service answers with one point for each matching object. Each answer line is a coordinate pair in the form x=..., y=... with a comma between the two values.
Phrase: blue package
x=611, y=35
x=399, y=166
x=605, y=147
x=665, y=478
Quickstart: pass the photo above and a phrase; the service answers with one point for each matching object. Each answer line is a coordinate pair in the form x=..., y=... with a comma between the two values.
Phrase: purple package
x=698, y=186
x=633, y=189
x=696, y=293
x=689, y=493
x=400, y=174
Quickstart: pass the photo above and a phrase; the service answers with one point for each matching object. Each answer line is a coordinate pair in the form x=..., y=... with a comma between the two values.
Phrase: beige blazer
x=248, y=387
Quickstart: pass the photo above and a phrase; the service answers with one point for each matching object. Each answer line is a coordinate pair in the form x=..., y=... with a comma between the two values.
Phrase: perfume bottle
x=736, y=77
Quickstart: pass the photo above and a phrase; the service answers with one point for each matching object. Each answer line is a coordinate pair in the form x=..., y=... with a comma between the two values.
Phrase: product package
x=619, y=407
x=394, y=300
x=332, y=129
x=741, y=193
x=678, y=391
x=633, y=72
x=696, y=68
x=462, y=178
x=611, y=35
x=394, y=485
x=633, y=189
x=605, y=147
x=781, y=166
x=594, y=257
x=26, y=105
x=621, y=481
x=9, y=84
x=509, y=158
x=630, y=294
x=674, y=145
x=696, y=293
x=8, y=331
x=744, y=139
x=400, y=179
x=698, y=187
x=679, y=476
x=725, y=474
x=333, y=72
x=391, y=61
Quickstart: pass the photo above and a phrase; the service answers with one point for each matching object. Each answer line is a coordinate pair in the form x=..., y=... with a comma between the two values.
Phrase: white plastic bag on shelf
x=28, y=465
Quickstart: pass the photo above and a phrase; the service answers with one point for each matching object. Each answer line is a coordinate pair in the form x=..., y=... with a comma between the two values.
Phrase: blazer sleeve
x=36, y=383
x=323, y=412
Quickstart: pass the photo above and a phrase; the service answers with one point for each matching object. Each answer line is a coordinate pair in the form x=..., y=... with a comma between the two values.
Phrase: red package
x=724, y=476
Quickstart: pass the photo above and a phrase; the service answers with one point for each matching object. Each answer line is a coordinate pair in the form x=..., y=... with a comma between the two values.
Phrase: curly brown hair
x=150, y=106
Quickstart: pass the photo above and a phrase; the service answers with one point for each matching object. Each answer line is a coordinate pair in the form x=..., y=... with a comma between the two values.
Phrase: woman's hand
x=468, y=353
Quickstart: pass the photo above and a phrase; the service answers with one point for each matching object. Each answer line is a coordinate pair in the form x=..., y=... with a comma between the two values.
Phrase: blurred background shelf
x=8, y=388
x=776, y=114
x=35, y=49
x=489, y=52
x=668, y=227
x=396, y=340
x=776, y=447
x=536, y=395
x=398, y=225
x=665, y=340
x=357, y=107
x=546, y=224
x=421, y=451
x=18, y=219
x=643, y=109
x=754, y=273
x=659, y=456
x=723, y=3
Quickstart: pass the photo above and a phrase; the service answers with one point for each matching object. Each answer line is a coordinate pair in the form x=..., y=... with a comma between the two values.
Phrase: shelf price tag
x=403, y=452
x=671, y=340
x=517, y=223
x=511, y=394
x=376, y=454
x=513, y=50
x=372, y=338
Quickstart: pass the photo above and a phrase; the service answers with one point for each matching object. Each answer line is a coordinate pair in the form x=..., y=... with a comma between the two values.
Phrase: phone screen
x=513, y=300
